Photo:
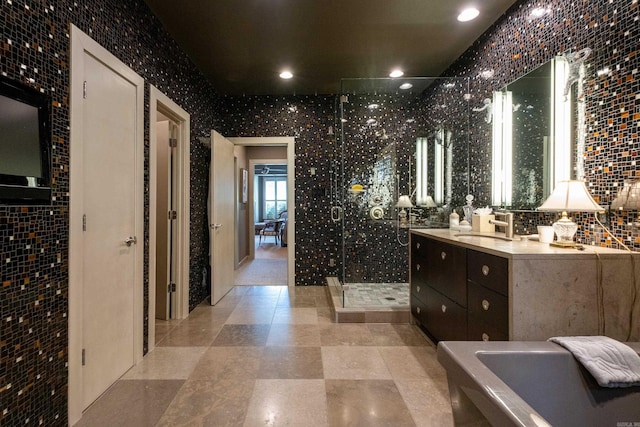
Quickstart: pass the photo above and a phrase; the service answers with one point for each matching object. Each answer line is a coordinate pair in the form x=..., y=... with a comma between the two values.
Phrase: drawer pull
x=418, y=289
x=485, y=337
x=444, y=308
x=443, y=255
x=485, y=270
x=418, y=245
x=485, y=304
x=418, y=267
x=418, y=310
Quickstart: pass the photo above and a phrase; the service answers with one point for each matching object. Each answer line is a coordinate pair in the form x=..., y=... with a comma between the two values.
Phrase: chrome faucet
x=507, y=223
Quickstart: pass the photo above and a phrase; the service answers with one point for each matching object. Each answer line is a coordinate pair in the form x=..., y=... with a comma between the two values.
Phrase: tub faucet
x=507, y=223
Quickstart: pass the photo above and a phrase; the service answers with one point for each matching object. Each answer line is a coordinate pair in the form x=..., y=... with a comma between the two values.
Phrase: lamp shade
x=429, y=203
x=404, y=202
x=628, y=198
x=570, y=196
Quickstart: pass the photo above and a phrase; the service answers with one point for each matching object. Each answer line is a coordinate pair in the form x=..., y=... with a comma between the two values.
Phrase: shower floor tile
x=377, y=294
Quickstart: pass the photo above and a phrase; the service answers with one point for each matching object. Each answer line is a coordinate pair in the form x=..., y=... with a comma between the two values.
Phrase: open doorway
x=268, y=225
x=268, y=231
x=169, y=193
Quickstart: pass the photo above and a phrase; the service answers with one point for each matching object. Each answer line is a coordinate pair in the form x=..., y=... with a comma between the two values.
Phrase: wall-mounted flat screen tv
x=25, y=145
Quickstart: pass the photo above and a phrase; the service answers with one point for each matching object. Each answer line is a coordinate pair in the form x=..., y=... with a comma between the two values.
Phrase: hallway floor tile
x=271, y=356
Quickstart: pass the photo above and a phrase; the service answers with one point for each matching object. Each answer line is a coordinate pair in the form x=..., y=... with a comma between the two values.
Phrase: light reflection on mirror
x=533, y=134
x=434, y=168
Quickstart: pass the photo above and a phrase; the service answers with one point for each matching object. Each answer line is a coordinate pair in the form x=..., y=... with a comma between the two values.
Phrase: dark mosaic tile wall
x=310, y=119
x=34, y=49
x=521, y=42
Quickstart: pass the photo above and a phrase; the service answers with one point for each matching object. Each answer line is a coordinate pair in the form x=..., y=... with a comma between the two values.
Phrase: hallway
x=271, y=356
x=269, y=267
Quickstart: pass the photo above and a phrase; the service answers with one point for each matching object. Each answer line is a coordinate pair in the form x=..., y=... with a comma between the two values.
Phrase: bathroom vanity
x=485, y=287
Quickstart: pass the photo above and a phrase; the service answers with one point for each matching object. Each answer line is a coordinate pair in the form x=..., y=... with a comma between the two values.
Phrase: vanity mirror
x=434, y=168
x=535, y=132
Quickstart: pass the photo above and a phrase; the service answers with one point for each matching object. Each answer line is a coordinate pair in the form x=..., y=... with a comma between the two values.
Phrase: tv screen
x=24, y=145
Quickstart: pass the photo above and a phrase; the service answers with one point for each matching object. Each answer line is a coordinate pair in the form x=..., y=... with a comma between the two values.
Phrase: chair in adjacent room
x=271, y=228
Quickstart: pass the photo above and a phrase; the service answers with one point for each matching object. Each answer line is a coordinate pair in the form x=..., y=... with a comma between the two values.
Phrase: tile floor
x=377, y=295
x=271, y=356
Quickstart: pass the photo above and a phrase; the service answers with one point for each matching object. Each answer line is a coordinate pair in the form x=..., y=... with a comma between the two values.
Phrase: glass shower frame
x=377, y=126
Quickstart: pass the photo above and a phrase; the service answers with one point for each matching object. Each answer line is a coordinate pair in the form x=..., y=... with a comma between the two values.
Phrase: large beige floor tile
x=385, y=334
x=190, y=335
x=242, y=335
x=294, y=335
x=366, y=403
x=355, y=363
x=218, y=363
x=209, y=403
x=427, y=400
x=167, y=363
x=412, y=362
x=131, y=403
x=291, y=363
x=304, y=316
x=345, y=334
x=251, y=316
x=287, y=403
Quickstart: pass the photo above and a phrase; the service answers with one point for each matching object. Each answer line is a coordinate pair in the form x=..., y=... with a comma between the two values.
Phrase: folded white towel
x=612, y=363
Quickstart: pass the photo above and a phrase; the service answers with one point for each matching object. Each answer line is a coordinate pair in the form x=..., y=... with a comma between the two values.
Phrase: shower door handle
x=336, y=213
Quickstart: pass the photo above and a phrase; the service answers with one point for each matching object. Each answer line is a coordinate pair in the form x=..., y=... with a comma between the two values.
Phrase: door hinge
x=83, y=354
x=173, y=142
x=173, y=215
x=171, y=287
x=84, y=222
x=84, y=90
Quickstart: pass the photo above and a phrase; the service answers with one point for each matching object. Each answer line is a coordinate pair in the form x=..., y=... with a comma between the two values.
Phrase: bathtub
x=510, y=383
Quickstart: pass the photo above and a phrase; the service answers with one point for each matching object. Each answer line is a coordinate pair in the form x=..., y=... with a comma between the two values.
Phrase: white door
x=105, y=221
x=110, y=234
x=221, y=216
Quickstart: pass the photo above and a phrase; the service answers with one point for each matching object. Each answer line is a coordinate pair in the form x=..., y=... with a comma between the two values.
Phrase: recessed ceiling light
x=396, y=73
x=405, y=86
x=372, y=106
x=286, y=75
x=468, y=14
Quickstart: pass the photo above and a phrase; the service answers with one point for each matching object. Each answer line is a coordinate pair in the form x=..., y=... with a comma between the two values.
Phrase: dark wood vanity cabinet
x=438, y=288
x=458, y=293
x=488, y=301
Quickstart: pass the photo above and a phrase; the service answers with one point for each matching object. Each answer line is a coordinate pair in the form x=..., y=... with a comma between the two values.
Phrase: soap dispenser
x=454, y=220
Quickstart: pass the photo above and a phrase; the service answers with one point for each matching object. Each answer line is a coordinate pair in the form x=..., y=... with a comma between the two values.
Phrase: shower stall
x=401, y=156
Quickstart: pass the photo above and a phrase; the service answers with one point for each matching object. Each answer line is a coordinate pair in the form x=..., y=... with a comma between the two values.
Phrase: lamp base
x=558, y=244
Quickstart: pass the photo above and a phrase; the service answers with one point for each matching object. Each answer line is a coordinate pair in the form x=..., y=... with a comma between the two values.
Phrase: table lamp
x=403, y=202
x=569, y=196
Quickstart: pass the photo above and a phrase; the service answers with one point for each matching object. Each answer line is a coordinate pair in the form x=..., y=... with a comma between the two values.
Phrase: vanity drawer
x=447, y=270
x=443, y=318
x=488, y=270
x=418, y=290
x=488, y=314
x=479, y=331
x=418, y=258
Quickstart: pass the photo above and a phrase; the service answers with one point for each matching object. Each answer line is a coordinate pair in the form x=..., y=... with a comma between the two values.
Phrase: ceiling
x=241, y=46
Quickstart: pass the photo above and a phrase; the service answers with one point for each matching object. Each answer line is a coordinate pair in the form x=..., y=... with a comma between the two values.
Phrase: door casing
x=159, y=102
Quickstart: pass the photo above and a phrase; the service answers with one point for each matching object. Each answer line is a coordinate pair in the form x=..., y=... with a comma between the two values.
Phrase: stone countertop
x=496, y=244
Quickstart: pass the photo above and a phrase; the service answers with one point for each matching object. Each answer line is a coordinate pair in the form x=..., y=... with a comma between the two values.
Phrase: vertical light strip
x=507, y=147
x=438, y=166
x=561, y=121
x=496, y=150
x=422, y=179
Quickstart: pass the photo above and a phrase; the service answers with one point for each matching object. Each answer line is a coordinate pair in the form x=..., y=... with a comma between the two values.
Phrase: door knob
x=130, y=241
